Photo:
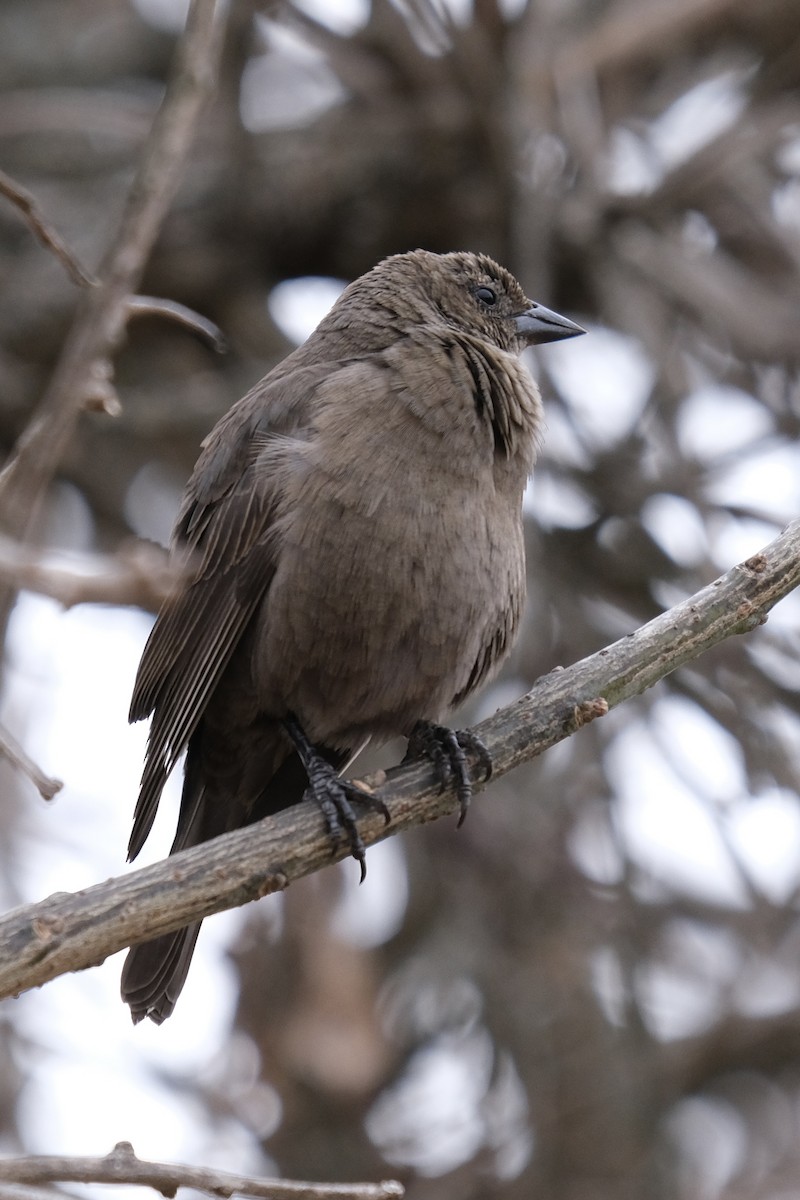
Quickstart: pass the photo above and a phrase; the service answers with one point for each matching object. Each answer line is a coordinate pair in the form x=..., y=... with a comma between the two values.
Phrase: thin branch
x=100, y=321
x=140, y=574
x=68, y=932
x=122, y=1166
x=11, y=749
x=46, y=233
x=173, y=311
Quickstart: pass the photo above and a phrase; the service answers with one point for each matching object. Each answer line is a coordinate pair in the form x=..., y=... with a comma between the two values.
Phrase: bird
x=352, y=551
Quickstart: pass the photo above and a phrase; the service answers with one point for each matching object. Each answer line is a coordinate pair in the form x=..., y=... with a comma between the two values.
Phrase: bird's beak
x=539, y=324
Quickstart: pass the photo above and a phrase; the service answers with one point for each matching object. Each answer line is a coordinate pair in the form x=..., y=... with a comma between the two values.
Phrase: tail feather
x=155, y=972
x=222, y=790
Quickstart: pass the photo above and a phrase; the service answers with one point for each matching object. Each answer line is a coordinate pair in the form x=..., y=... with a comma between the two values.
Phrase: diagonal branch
x=46, y=233
x=100, y=322
x=16, y=754
x=68, y=932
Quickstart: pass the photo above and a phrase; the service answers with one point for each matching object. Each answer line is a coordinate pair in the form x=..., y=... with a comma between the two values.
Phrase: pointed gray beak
x=539, y=324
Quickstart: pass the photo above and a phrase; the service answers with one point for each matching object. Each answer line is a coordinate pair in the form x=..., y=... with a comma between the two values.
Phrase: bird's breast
x=387, y=588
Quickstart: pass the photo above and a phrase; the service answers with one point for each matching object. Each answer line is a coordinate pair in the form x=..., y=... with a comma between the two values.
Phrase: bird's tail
x=155, y=971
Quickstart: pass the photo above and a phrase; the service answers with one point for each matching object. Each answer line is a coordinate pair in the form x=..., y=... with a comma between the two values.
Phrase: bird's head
x=476, y=294
x=469, y=293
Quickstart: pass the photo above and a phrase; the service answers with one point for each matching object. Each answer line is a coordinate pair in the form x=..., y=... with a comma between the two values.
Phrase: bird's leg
x=447, y=749
x=334, y=795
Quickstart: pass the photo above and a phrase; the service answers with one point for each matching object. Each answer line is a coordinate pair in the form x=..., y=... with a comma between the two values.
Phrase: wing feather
x=225, y=533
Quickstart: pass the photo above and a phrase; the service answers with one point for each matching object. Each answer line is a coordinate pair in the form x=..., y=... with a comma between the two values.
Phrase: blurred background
x=591, y=990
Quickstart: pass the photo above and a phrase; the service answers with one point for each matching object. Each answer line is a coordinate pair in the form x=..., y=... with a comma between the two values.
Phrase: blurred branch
x=101, y=318
x=68, y=932
x=628, y=32
x=173, y=311
x=45, y=232
x=738, y=1042
x=11, y=749
x=122, y=1166
x=139, y=574
x=136, y=305
x=759, y=320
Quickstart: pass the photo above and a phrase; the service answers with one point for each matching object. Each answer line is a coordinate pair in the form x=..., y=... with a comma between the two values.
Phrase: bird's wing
x=225, y=534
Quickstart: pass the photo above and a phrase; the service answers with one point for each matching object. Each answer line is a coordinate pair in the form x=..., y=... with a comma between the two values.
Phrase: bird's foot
x=334, y=795
x=448, y=749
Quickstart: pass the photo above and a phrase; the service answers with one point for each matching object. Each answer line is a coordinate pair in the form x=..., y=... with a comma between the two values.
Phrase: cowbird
x=352, y=542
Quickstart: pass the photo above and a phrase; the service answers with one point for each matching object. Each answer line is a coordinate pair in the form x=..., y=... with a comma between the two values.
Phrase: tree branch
x=140, y=573
x=11, y=749
x=102, y=315
x=68, y=932
x=122, y=1166
x=171, y=310
x=45, y=232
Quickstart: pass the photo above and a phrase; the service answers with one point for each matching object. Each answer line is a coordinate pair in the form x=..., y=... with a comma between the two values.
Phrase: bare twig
x=136, y=305
x=101, y=318
x=10, y=747
x=122, y=1166
x=45, y=232
x=70, y=931
x=173, y=311
x=140, y=574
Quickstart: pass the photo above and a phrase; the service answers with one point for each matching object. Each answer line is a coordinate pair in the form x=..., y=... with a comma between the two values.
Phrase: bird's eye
x=486, y=296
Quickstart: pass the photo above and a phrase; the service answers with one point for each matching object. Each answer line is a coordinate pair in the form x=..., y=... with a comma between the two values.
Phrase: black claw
x=447, y=749
x=474, y=745
x=335, y=796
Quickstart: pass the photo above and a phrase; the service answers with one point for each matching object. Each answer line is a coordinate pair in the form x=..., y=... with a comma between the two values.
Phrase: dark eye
x=486, y=296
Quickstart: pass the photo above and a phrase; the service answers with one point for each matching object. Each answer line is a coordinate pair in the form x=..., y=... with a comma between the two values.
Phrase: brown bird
x=352, y=534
